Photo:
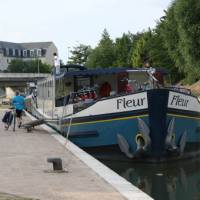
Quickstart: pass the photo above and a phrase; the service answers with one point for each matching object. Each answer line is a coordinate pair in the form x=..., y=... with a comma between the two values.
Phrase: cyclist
x=19, y=104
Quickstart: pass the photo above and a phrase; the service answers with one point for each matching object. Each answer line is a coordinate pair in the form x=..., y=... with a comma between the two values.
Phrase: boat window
x=82, y=83
x=140, y=80
x=77, y=91
x=120, y=82
x=59, y=88
x=105, y=85
x=64, y=87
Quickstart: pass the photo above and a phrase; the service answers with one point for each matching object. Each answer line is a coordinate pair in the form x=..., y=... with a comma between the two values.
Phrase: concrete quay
x=25, y=172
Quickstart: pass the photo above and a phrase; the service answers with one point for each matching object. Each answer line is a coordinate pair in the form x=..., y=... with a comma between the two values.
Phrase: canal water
x=167, y=181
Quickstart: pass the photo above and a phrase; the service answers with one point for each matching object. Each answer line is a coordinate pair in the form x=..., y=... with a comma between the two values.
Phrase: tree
x=168, y=31
x=20, y=66
x=103, y=55
x=123, y=47
x=80, y=54
x=188, y=18
x=180, y=30
x=150, y=48
x=141, y=52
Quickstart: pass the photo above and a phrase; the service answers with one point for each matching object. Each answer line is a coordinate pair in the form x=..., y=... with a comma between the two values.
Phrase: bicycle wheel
x=14, y=120
x=6, y=126
x=9, y=121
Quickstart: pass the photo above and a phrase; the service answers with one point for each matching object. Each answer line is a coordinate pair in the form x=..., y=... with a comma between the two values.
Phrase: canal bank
x=24, y=169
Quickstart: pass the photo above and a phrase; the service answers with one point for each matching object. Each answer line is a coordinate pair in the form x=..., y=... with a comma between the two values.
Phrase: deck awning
x=102, y=71
x=93, y=72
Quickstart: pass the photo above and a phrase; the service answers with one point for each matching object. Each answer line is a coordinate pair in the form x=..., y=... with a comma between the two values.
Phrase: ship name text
x=128, y=103
x=178, y=101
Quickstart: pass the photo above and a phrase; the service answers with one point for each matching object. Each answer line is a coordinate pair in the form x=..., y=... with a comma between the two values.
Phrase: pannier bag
x=8, y=117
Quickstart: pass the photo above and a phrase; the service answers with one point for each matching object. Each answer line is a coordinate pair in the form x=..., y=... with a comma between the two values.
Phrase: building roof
x=36, y=45
x=29, y=45
x=10, y=45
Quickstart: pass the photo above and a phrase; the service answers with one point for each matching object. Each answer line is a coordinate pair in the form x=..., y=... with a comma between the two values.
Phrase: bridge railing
x=23, y=75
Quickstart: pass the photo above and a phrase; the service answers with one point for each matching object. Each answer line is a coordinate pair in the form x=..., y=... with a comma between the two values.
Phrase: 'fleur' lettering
x=128, y=103
x=178, y=101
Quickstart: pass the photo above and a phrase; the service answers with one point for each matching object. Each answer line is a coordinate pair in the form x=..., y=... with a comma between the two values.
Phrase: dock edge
x=120, y=184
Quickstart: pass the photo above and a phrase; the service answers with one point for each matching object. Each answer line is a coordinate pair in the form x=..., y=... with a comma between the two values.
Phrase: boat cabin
x=86, y=86
x=95, y=84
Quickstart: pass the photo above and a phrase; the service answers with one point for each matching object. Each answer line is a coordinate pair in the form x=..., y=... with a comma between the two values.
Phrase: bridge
x=19, y=79
x=9, y=82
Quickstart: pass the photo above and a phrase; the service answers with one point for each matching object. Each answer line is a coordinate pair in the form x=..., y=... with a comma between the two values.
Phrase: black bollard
x=57, y=163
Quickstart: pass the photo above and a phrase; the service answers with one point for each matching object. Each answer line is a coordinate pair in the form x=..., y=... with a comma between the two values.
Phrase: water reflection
x=169, y=181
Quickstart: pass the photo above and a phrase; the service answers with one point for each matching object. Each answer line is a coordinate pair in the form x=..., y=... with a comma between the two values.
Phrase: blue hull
x=105, y=131
x=192, y=125
x=102, y=131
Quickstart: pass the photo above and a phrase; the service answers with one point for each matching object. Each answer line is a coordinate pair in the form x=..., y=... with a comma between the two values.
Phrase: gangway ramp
x=30, y=125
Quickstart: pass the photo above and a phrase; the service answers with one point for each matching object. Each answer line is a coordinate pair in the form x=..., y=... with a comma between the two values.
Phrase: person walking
x=19, y=104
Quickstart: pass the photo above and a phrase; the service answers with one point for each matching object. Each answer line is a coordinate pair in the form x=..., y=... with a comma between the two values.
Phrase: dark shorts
x=19, y=113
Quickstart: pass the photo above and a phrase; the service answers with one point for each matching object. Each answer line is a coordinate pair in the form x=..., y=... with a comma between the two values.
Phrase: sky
x=69, y=23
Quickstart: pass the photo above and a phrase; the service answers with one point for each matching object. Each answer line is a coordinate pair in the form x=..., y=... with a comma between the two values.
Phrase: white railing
x=23, y=75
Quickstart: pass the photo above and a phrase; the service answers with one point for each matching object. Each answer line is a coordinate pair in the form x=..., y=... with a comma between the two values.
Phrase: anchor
x=124, y=146
x=143, y=141
x=170, y=143
x=182, y=142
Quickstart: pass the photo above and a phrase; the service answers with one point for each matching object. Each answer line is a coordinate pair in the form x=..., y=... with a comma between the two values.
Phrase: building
x=26, y=51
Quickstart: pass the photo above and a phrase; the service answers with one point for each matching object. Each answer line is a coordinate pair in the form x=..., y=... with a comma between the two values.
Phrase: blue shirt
x=18, y=102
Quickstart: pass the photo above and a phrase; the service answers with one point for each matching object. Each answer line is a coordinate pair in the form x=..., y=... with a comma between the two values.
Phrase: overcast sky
x=70, y=22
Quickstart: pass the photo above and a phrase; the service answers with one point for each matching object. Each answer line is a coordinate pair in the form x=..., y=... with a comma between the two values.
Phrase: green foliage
x=61, y=63
x=167, y=28
x=80, y=54
x=31, y=66
x=110, y=53
x=123, y=48
x=180, y=30
x=150, y=49
x=173, y=44
x=103, y=55
x=188, y=18
x=140, y=53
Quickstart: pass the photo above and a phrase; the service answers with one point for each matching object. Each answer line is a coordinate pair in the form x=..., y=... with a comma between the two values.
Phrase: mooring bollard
x=57, y=163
